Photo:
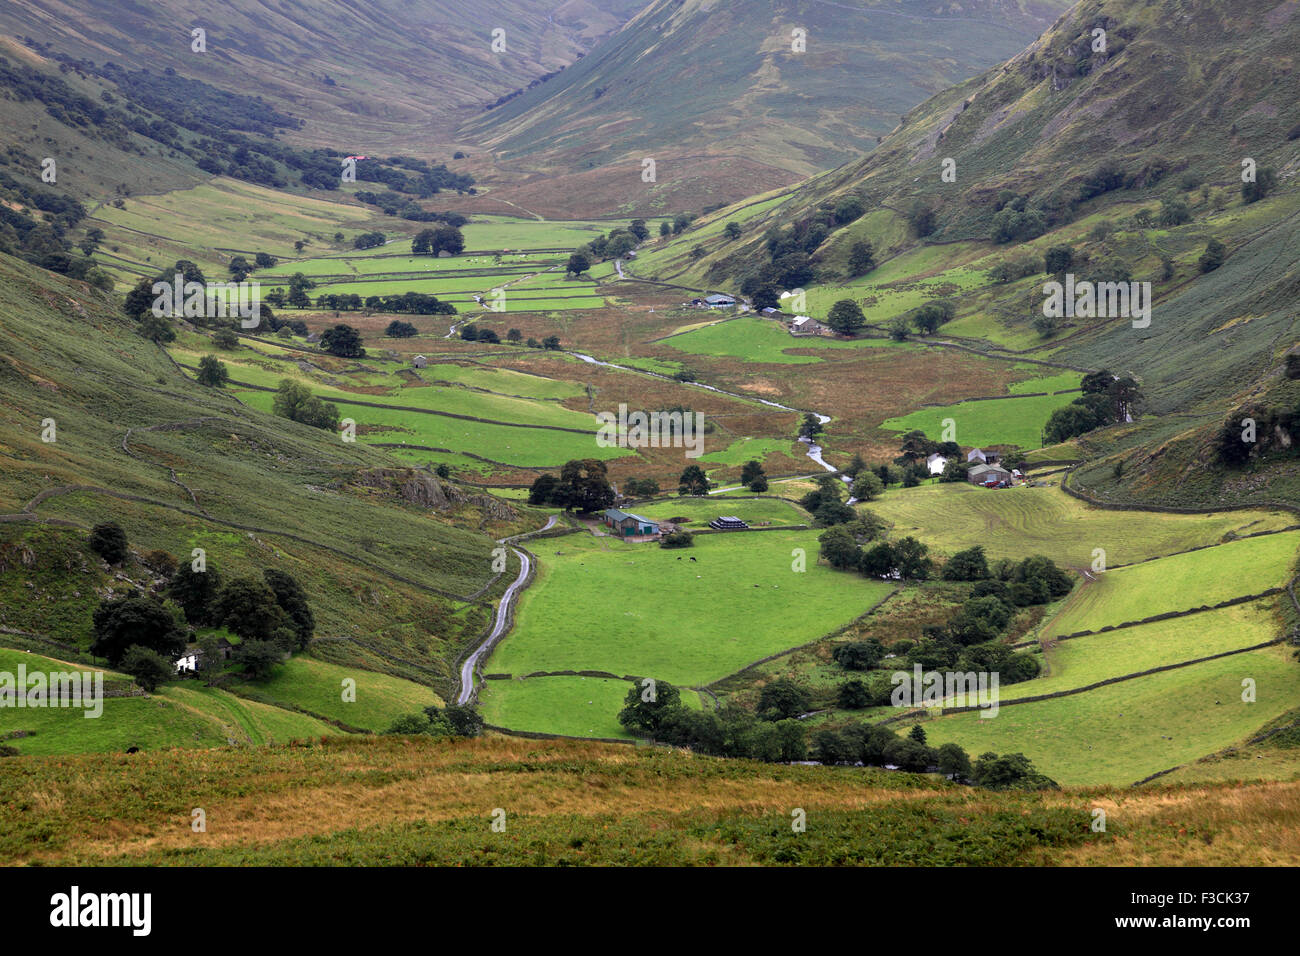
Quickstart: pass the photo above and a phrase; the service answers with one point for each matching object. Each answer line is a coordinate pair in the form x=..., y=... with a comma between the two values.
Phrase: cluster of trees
x=407, y=174
x=532, y=84
x=792, y=252
x=454, y=720
x=1106, y=399
x=775, y=735
x=295, y=401
x=404, y=207
x=826, y=503
x=846, y=318
x=472, y=333
x=582, y=485
x=857, y=545
x=876, y=746
x=729, y=732
x=369, y=240
x=343, y=341
x=439, y=239
x=414, y=303
x=1265, y=182
x=641, y=487
x=618, y=243
x=144, y=633
x=398, y=329
x=1015, y=221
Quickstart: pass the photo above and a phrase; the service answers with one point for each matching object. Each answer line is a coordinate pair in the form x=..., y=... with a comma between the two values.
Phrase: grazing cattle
x=692, y=558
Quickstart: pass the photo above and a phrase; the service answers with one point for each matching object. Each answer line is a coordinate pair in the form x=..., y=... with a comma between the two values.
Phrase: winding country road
x=499, y=624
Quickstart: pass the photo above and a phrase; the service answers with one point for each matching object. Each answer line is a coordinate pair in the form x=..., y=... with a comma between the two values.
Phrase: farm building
x=936, y=463
x=420, y=362
x=718, y=301
x=728, y=523
x=627, y=524
x=769, y=312
x=805, y=325
x=983, y=457
x=988, y=475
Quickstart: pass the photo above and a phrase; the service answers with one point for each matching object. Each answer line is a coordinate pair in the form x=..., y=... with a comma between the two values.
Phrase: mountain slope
x=685, y=80
x=1132, y=159
x=365, y=74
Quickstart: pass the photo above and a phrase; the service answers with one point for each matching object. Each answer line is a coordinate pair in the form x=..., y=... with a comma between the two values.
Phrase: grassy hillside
x=180, y=466
x=422, y=802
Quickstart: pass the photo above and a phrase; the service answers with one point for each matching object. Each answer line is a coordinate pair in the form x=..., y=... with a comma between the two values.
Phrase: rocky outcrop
x=426, y=490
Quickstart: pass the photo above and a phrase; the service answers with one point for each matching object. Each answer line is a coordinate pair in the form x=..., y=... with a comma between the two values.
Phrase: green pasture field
x=524, y=446
x=981, y=325
x=999, y=421
x=459, y=401
x=1086, y=660
x=762, y=340
x=572, y=706
x=1179, y=582
x=317, y=686
x=388, y=259
x=746, y=449
x=1121, y=733
x=501, y=381
x=1015, y=522
x=503, y=232
x=1064, y=381
x=589, y=608
x=700, y=511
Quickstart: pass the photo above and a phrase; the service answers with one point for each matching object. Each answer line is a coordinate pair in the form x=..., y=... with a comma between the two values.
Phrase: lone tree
x=810, y=427
x=693, y=481
x=343, y=341
x=213, y=372
x=781, y=699
x=867, y=486
x=441, y=239
x=647, y=704
x=1265, y=182
x=578, y=264
x=195, y=592
x=295, y=401
x=846, y=317
x=147, y=666
x=108, y=540
x=1213, y=256
x=862, y=258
